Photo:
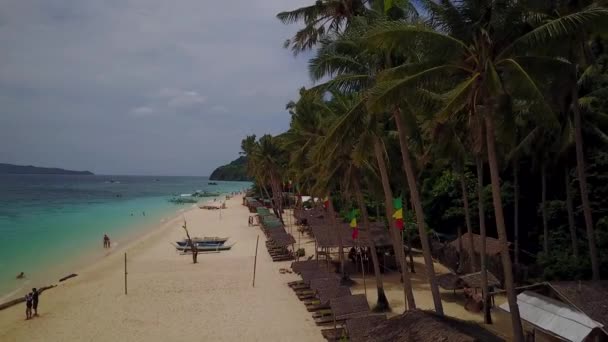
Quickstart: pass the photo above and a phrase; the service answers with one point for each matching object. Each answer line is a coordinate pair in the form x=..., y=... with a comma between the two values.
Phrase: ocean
x=51, y=223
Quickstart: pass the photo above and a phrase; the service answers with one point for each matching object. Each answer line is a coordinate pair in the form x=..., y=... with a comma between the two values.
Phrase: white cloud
x=88, y=62
x=186, y=99
x=142, y=111
x=219, y=109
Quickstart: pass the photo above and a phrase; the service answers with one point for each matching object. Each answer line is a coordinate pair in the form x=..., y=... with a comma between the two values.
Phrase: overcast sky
x=150, y=87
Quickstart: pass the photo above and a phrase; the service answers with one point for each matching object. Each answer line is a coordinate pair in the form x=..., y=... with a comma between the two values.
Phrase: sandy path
x=169, y=297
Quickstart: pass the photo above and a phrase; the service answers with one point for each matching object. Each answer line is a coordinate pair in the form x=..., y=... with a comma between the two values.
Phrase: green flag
x=397, y=203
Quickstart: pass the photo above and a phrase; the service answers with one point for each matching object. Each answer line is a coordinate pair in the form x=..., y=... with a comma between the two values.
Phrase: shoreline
x=169, y=297
x=85, y=258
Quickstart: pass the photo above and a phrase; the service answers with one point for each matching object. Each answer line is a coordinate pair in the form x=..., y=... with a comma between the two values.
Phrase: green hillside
x=235, y=171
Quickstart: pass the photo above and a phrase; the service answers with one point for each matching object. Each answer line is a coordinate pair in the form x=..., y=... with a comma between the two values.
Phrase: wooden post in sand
x=255, y=259
x=363, y=270
x=125, y=273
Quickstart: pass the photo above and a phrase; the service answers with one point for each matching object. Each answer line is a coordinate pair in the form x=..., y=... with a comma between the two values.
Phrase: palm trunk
x=397, y=245
x=415, y=196
x=570, y=209
x=332, y=222
x=482, y=233
x=460, y=251
x=582, y=180
x=516, y=212
x=408, y=239
x=518, y=334
x=278, y=194
x=543, y=181
x=382, y=302
x=467, y=216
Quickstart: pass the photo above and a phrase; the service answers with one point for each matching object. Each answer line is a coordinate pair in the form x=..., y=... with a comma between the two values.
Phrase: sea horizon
x=53, y=224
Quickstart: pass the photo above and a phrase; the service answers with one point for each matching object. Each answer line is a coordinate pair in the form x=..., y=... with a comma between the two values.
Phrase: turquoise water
x=47, y=221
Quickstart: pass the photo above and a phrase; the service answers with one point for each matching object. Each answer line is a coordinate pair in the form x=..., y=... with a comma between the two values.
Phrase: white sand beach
x=169, y=298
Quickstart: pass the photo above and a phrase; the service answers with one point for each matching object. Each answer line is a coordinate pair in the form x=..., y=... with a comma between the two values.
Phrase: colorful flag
x=353, y=223
x=398, y=214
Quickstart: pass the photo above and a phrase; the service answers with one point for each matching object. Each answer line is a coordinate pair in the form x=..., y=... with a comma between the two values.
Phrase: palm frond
x=590, y=18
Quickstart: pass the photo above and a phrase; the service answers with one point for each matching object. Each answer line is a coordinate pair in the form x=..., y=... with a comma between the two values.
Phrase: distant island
x=235, y=171
x=35, y=170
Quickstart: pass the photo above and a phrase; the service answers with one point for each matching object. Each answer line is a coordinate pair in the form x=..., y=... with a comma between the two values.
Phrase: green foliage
x=235, y=171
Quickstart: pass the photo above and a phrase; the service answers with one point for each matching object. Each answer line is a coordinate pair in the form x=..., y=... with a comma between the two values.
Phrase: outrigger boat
x=204, y=241
x=202, y=248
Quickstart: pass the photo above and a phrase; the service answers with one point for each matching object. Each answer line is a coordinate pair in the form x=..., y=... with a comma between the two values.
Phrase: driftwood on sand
x=22, y=299
x=68, y=277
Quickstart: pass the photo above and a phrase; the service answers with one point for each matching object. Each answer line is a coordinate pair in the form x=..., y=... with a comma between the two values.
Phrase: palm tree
x=322, y=19
x=332, y=160
x=353, y=67
x=484, y=56
x=450, y=142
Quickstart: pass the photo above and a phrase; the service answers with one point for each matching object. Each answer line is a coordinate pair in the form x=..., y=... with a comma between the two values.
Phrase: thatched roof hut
x=420, y=326
x=327, y=236
x=316, y=284
x=358, y=327
x=325, y=294
x=349, y=306
x=473, y=280
x=299, y=266
x=449, y=281
x=309, y=275
x=281, y=238
x=493, y=246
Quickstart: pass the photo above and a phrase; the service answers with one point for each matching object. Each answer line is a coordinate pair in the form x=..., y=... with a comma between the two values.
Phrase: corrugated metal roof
x=554, y=316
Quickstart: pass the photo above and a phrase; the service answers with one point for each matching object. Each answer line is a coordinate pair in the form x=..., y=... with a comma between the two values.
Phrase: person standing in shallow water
x=106, y=241
x=35, y=294
x=29, y=301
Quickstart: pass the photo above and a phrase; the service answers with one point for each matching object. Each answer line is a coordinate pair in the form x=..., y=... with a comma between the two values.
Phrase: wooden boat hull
x=202, y=249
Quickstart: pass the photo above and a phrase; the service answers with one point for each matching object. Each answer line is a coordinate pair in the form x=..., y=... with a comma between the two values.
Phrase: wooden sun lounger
x=333, y=334
x=305, y=296
x=284, y=258
x=322, y=313
x=302, y=286
x=325, y=320
x=305, y=291
x=295, y=282
x=317, y=307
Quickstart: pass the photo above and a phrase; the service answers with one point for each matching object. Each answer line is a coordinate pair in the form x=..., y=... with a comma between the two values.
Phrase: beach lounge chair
x=334, y=334
x=322, y=313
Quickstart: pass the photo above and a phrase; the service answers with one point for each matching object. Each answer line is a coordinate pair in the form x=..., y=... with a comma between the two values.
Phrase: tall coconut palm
x=353, y=67
x=483, y=50
x=321, y=19
x=336, y=160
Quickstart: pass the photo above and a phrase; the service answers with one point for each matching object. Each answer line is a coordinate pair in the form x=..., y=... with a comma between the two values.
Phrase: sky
x=142, y=87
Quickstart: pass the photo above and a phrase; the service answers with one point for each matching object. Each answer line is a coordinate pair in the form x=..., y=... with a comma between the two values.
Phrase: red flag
x=399, y=223
x=355, y=234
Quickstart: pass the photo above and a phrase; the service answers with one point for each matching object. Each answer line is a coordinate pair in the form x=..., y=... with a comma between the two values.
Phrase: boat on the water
x=209, y=248
x=205, y=194
x=212, y=183
x=204, y=241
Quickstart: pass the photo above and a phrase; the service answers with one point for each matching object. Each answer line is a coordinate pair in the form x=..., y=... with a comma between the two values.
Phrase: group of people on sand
x=31, y=302
x=106, y=241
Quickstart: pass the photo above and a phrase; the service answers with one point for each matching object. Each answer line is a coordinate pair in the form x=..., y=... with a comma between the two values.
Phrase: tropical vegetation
x=484, y=116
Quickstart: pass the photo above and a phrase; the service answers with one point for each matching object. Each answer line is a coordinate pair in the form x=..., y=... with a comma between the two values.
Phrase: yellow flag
x=398, y=214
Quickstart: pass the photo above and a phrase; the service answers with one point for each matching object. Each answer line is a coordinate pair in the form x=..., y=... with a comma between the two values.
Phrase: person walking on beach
x=35, y=294
x=106, y=241
x=29, y=299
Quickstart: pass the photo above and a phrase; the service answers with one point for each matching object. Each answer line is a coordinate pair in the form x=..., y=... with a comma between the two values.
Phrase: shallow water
x=51, y=220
